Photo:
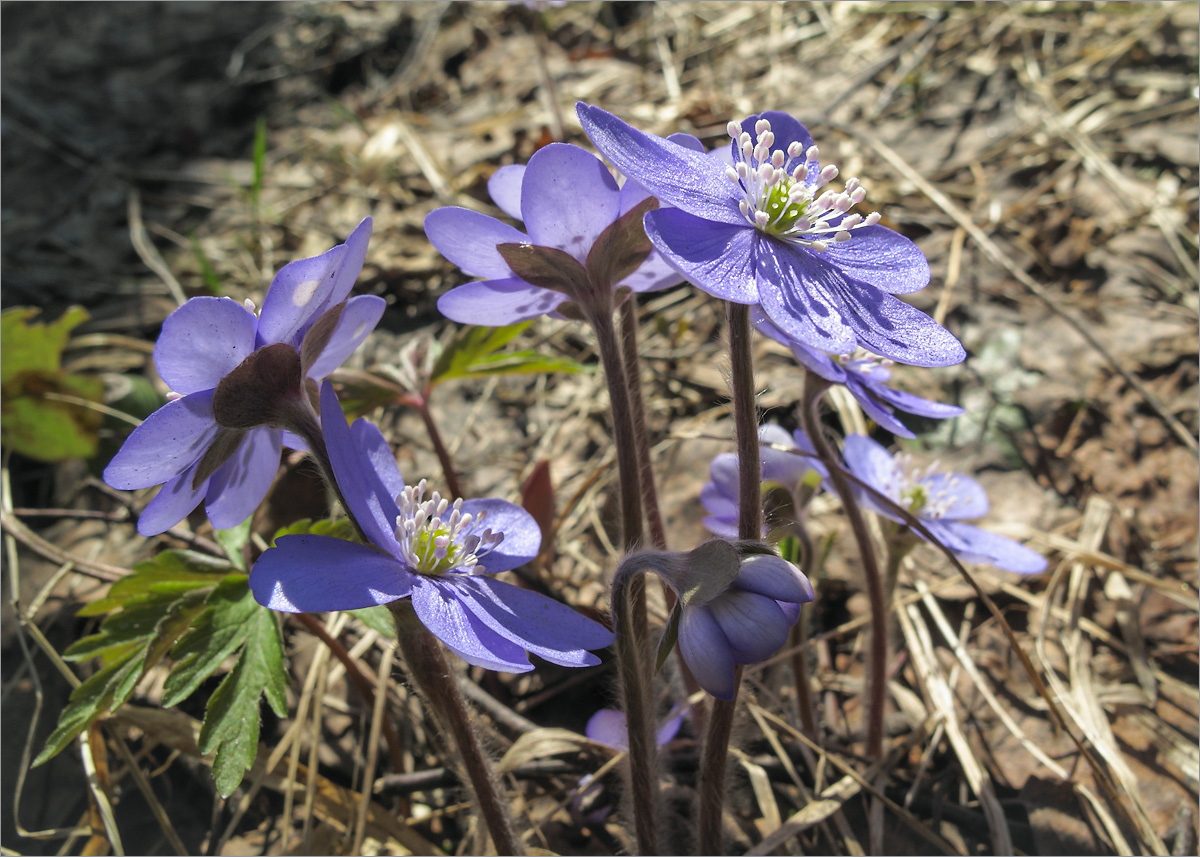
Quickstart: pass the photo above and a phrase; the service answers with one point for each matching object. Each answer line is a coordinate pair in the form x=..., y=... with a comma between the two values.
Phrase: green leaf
x=211, y=280
x=34, y=347
x=339, y=529
x=259, y=162
x=469, y=345
x=231, y=719
x=110, y=686
x=215, y=636
x=134, y=622
x=379, y=619
x=171, y=571
x=234, y=541
x=523, y=363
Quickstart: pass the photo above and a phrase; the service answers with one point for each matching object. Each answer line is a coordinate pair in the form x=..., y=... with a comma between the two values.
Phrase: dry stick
x=443, y=454
x=363, y=684
x=630, y=612
x=876, y=691
x=750, y=523
x=426, y=665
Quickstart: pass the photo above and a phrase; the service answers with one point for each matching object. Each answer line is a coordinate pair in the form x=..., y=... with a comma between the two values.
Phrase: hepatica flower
x=234, y=375
x=584, y=242
x=791, y=470
x=439, y=554
x=735, y=608
x=865, y=376
x=940, y=501
x=764, y=227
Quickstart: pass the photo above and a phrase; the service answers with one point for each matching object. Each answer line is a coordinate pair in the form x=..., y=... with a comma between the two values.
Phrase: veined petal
x=773, y=577
x=706, y=652
x=498, y=302
x=296, y=294
x=975, y=545
x=202, y=342
x=174, y=502
x=894, y=329
x=911, y=404
x=534, y=622
x=169, y=441
x=240, y=484
x=522, y=536
x=717, y=258
x=881, y=258
x=364, y=490
x=956, y=495
x=753, y=624
x=313, y=574
x=468, y=239
x=359, y=317
x=871, y=463
x=438, y=606
x=873, y=407
x=349, y=268
x=504, y=187
x=675, y=174
x=799, y=296
x=568, y=197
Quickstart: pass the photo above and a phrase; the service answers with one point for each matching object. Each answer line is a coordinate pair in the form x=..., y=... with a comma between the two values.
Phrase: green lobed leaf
x=234, y=541
x=339, y=529
x=231, y=718
x=34, y=347
x=171, y=571
x=379, y=619
x=134, y=622
x=471, y=344
x=216, y=635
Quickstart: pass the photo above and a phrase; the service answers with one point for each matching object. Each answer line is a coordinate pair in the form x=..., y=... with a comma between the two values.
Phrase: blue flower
x=939, y=501
x=761, y=227
x=439, y=554
x=207, y=349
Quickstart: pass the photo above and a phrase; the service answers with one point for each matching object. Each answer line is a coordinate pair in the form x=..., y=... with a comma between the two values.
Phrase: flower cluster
x=235, y=374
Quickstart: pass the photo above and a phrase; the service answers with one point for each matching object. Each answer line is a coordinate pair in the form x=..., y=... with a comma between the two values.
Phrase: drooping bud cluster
x=781, y=188
x=433, y=542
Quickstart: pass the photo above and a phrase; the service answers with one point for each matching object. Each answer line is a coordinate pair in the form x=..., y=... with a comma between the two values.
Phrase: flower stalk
x=641, y=436
x=750, y=522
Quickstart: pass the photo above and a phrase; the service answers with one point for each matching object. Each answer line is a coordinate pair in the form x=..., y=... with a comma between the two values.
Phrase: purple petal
x=359, y=317
x=975, y=545
x=786, y=128
x=538, y=624
x=371, y=504
x=819, y=363
x=497, y=302
x=706, y=652
x=313, y=574
x=716, y=257
x=956, y=495
x=670, y=727
x=504, y=187
x=775, y=578
x=241, y=483
x=892, y=328
x=881, y=413
x=438, y=606
x=723, y=471
x=607, y=727
x=716, y=502
x=174, y=502
x=724, y=526
x=652, y=275
x=293, y=441
x=911, y=404
x=786, y=468
x=202, y=342
x=297, y=294
x=370, y=440
x=875, y=466
x=468, y=239
x=568, y=197
x=754, y=625
x=799, y=295
x=350, y=267
x=522, y=536
x=169, y=441
x=879, y=257
x=676, y=175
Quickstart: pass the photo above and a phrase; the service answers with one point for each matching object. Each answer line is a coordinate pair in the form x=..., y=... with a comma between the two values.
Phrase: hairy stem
x=633, y=379
x=750, y=523
x=426, y=665
x=876, y=691
x=639, y=716
x=443, y=454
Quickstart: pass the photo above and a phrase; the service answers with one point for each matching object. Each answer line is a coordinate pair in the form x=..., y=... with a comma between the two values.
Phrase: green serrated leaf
x=379, y=619
x=171, y=571
x=231, y=718
x=134, y=622
x=234, y=541
x=470, y=345
x=90, y=700
x=215, y=636
x=339, y=529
